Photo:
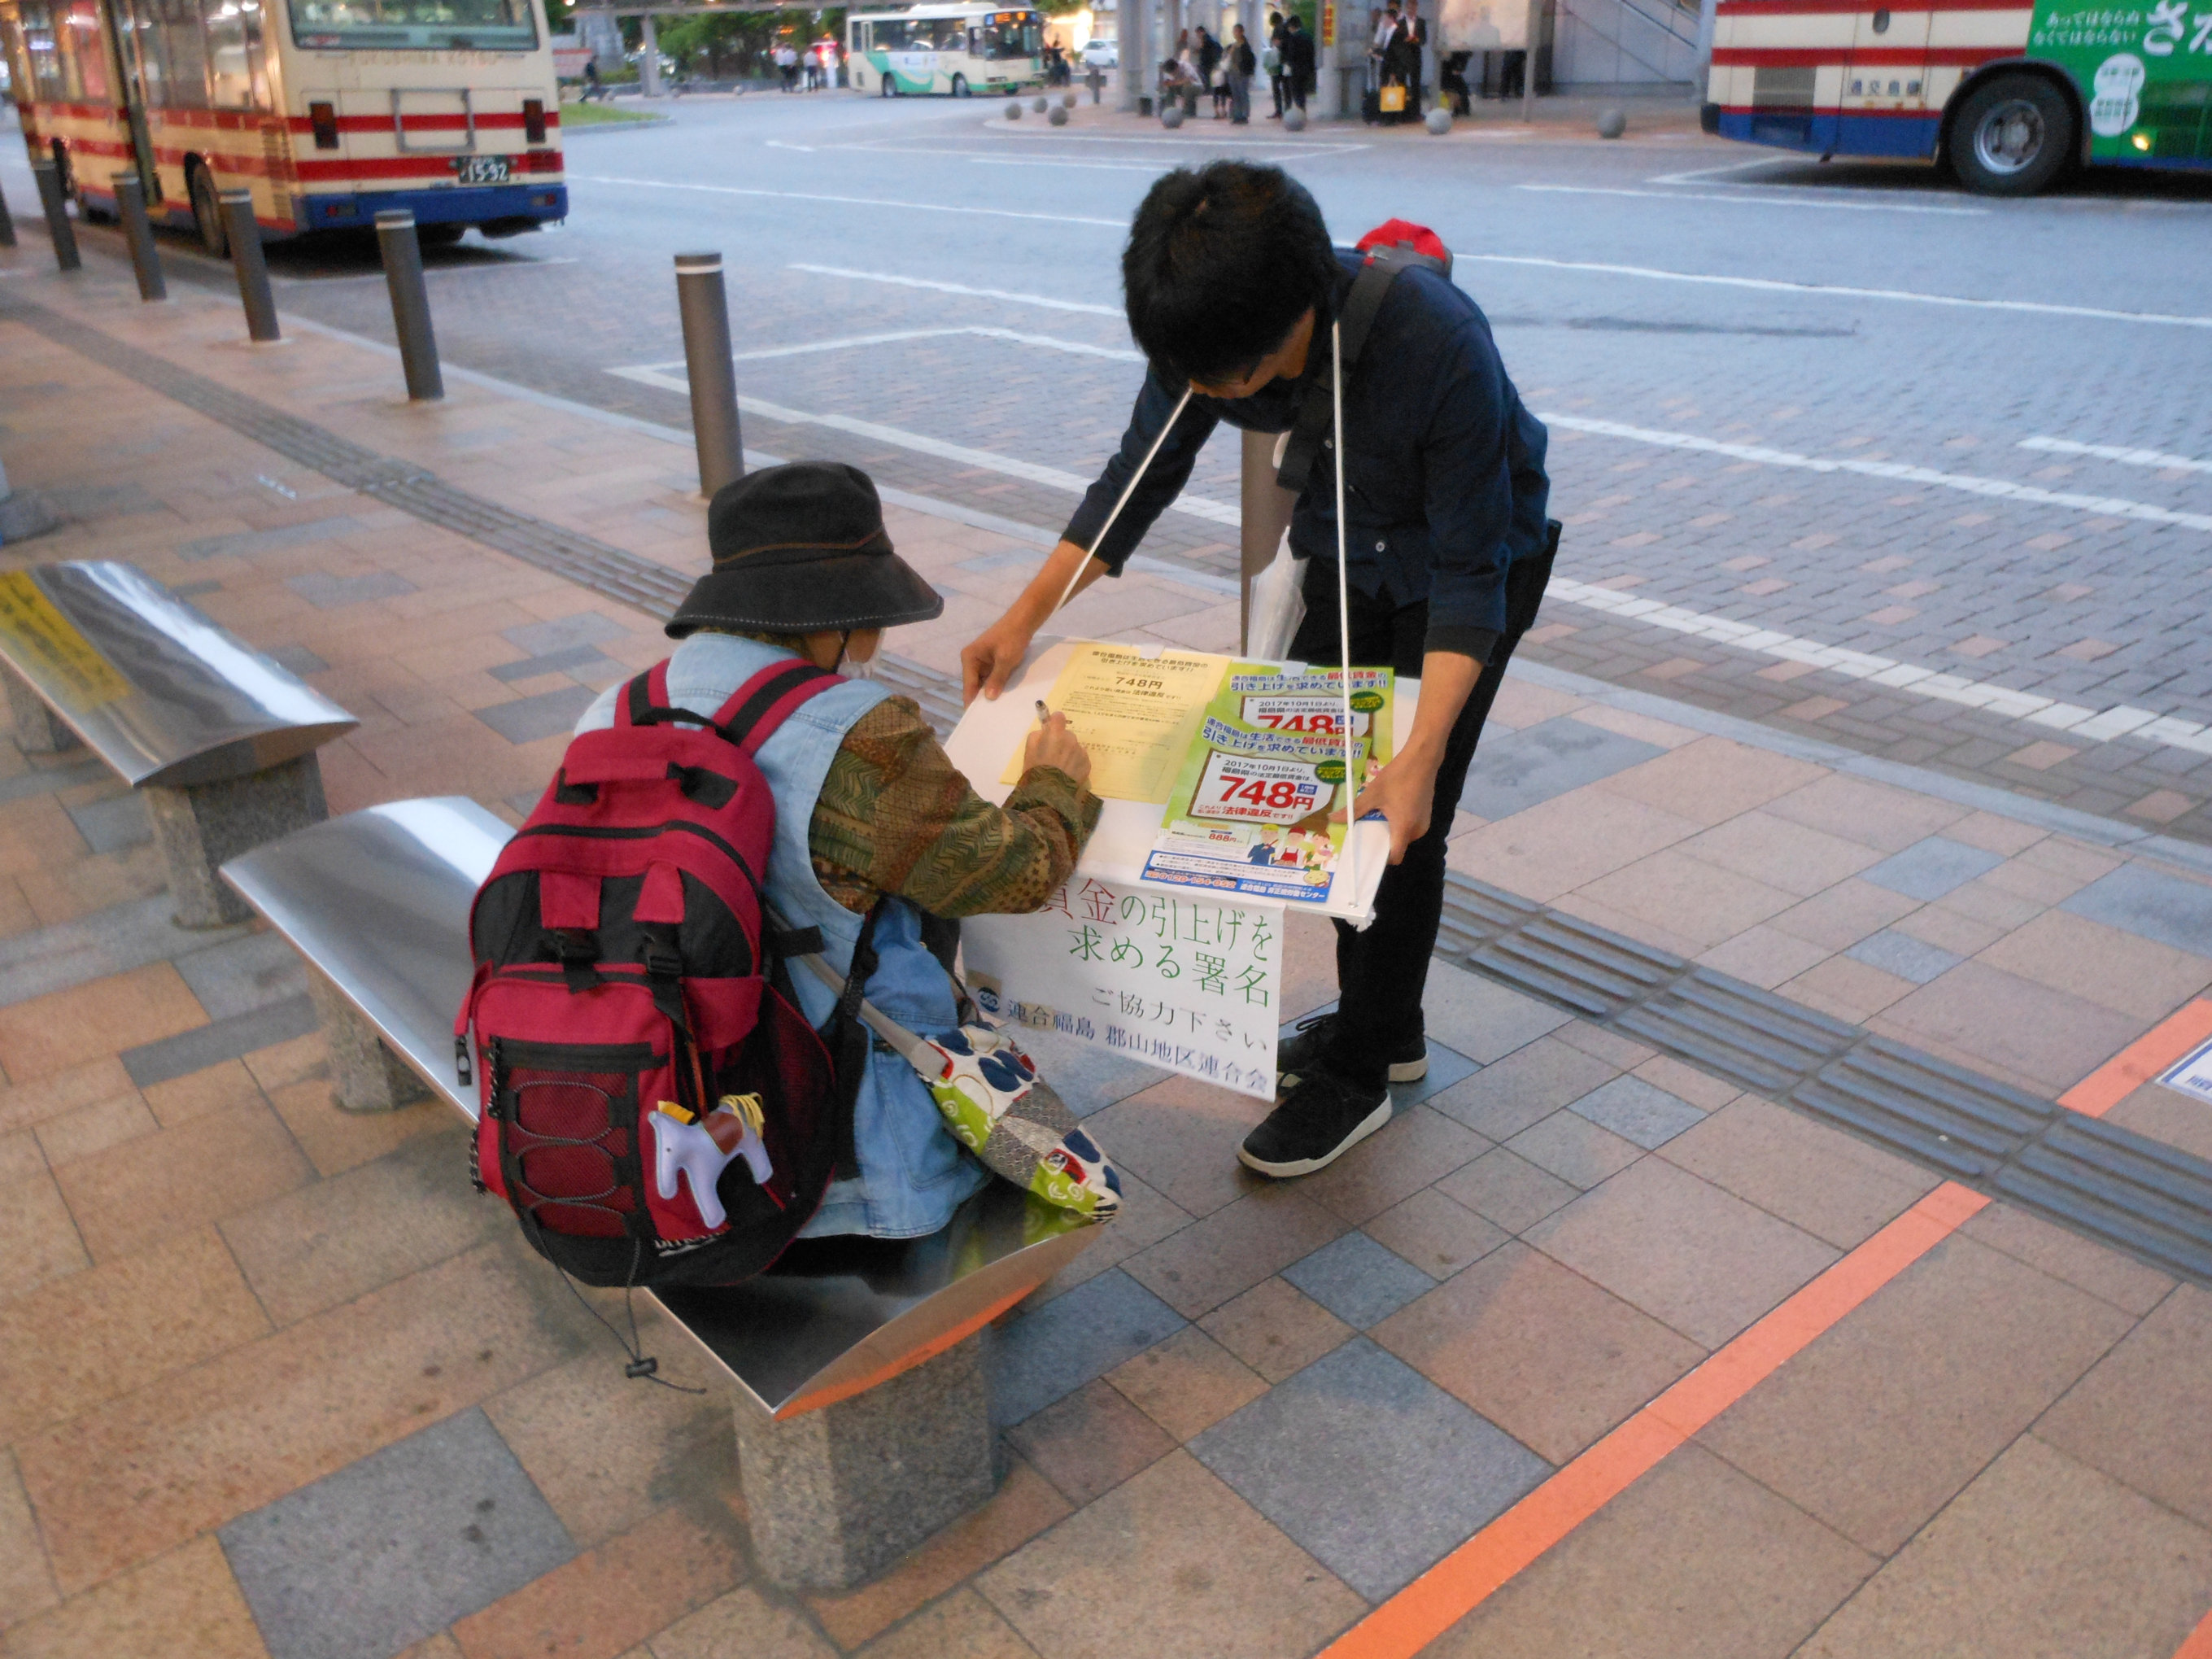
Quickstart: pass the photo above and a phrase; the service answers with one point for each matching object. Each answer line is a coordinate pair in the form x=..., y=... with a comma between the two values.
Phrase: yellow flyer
x=1136, y=714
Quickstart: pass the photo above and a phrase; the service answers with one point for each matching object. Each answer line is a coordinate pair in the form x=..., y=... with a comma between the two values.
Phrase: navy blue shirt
x=1444, y=481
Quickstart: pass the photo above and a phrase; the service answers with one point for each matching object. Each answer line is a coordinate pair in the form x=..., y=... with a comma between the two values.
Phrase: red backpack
x=654, y=1106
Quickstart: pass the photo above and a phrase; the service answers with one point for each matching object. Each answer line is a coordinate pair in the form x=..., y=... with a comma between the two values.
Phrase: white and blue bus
x=951, y=50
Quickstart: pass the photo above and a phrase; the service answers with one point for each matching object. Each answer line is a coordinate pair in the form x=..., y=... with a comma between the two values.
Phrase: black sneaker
x=1323, y=1116
x=1303, y=1052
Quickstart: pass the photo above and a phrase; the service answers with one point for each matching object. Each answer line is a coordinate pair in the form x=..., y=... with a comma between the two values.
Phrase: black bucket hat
x=801, y=549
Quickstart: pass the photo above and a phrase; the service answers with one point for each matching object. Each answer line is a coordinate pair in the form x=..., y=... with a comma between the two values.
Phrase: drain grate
x=1582, y=967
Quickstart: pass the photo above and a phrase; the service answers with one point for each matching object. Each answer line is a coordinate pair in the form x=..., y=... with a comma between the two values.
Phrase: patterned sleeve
x=895, y=816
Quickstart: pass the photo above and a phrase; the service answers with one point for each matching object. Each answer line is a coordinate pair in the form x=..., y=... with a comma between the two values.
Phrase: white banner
x=1185, y=983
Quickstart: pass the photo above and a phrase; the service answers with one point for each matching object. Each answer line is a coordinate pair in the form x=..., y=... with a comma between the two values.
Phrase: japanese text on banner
x=1184, y=983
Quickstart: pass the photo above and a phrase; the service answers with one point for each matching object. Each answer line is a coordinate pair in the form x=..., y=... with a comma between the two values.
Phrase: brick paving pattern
x=262, y=1354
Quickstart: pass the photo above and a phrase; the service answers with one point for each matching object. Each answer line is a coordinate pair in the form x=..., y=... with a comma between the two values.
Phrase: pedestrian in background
x=1209, y=68
x=1242, y=63
x=1272, y=61
x=1298, y=61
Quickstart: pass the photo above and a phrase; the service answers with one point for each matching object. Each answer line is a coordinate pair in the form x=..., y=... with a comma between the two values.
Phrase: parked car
x=1101, y=54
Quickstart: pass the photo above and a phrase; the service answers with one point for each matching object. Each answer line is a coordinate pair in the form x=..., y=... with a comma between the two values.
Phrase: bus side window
x=45, y=84
x=174, y=42
x=84, y=53
x=234, y=41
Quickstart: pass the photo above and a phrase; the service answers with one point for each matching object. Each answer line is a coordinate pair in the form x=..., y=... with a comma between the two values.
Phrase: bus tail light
x=324, y=119
x=533, y=119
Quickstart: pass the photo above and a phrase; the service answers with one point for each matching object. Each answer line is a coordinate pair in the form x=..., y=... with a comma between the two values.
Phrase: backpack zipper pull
x=461, y=1060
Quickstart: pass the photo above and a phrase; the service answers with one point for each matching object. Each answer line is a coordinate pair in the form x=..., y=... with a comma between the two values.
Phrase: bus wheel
x=207, y=211
x=2013, y=136
x=959, y=86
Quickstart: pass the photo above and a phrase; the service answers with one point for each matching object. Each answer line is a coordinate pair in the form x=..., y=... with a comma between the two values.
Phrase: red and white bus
x=327, y=110
x=2012, y=93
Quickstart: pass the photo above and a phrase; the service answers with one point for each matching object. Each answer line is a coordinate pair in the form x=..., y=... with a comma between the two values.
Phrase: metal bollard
x=145, y=258
x=1095, y=81
x=7, y=223
x=57, y=220
x=411, y=303
x=714, y=377
x=246, y=259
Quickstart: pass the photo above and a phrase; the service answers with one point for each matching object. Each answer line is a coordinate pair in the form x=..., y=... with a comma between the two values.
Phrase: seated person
x=868, y=805
x=1177, y=78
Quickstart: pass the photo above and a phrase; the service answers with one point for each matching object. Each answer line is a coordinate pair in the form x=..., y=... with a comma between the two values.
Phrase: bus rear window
x=417, y=25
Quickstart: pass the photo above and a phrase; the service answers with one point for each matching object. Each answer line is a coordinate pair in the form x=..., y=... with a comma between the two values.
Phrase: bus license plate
x=483, y=170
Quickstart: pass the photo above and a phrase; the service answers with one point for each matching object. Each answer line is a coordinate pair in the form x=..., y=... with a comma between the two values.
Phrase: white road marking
x=778, y=143
x=1045, y=300
x=1766, y=285
x=845, y=201
x=1895, y=472
x=2116, y=453
x=1195, y=507
x=2120, y=721
x=1151, y=168
x=1074, y=348
x=1703, y=173
x=999, y=129
x=1759, y=200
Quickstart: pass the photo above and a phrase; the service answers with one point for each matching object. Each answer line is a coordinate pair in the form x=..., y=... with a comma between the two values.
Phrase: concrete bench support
x=834, y=1496
x=39, y=729
x=203, y=825
x=366, y=1076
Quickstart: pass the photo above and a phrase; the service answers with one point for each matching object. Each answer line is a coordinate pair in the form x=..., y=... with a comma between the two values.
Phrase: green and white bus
x=954, y=50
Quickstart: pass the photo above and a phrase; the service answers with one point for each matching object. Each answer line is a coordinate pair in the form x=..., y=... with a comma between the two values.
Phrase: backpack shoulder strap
x=1357, y=320
x=763, y=703
x=748, y=719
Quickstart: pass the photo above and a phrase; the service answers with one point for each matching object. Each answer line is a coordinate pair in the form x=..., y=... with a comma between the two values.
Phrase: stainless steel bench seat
x=220, y=739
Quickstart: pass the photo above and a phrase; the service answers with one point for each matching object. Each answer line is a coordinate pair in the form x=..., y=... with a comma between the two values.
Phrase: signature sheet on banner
x=1176, y=980
x=1134, y=715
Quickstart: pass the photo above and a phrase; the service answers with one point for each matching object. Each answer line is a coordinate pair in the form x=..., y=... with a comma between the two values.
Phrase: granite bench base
x=836, y=1495
x=366, y=1075
x=198, y=826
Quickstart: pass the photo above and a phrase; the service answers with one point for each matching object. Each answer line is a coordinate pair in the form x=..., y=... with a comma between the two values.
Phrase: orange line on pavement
x=1463, y=1580
x=2140, y=1061
x=2199, y=1645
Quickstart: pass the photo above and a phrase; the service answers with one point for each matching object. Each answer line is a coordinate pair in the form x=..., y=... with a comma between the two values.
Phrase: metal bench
x=863, y=1398
x=219, y=739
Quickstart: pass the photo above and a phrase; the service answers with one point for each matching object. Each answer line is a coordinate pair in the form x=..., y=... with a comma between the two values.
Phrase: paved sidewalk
x=1591, y=1351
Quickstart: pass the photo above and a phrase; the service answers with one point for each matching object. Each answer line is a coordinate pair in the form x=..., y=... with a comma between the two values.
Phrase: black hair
x=1222, y=262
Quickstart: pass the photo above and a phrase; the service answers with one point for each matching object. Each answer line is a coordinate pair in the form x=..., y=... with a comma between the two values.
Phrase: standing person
x=1209, y=68
x=1273, y=62
x=1412, y=40
x=1233, y=288
x=1241, y=64
x=1298, y=61
x=591, y=81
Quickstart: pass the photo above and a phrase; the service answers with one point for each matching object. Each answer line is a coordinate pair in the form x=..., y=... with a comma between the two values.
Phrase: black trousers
x=1382, y=973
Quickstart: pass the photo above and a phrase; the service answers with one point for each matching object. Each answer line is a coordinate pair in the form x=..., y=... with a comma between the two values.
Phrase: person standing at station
x=1298, y=61
x=1233, y=286
x=1273, y=62
x=1236, y=74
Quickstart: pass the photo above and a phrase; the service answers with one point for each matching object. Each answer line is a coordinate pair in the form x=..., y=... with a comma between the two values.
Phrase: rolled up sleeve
x=895, y=816
x=1171, y=471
